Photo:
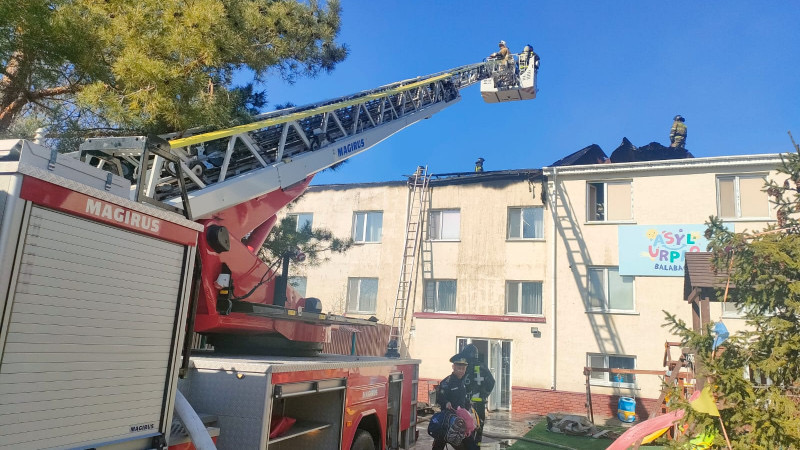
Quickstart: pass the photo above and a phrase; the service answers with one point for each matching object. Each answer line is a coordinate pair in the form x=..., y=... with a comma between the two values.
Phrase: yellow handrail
x=227, y=132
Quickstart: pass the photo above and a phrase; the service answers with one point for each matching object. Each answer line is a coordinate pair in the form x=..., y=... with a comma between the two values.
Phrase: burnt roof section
x=447, y=179
x=627, y=152
x=592, y=154
x=700, y=273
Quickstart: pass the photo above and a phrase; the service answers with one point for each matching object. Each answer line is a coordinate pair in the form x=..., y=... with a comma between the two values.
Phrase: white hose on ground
x=194, y=426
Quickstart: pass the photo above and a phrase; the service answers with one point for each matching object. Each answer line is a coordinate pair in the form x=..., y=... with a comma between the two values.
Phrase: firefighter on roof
x=677, y=135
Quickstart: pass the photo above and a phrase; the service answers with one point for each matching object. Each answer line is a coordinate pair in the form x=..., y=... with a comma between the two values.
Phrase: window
x=611, y=362
x=731, y=310
x=302, y=220
x=298, y=284
x=362, y=295
x=740, y=196
x=440, y=295
x=525, y=223
x=367, y=226
x=608, y=290
x=609, y=201
x=524, y=297
x=444, y=225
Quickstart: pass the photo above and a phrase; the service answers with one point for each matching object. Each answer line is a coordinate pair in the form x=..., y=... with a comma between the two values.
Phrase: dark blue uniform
x=452, y=390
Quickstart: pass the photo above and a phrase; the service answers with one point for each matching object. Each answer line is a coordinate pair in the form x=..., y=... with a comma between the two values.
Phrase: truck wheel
x=363, y=441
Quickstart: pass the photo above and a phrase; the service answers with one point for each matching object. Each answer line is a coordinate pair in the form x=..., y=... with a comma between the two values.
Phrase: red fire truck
x=110, y=254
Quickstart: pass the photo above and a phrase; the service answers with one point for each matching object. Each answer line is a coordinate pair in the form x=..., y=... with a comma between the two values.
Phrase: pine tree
x=755, y=375
x=313, y=242
x=154, y=65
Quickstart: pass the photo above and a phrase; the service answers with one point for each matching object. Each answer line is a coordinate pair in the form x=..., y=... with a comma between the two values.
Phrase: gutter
x=553, y=280
x=770, y=159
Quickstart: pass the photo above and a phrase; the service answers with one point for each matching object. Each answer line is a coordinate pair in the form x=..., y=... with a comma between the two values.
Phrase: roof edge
x=687, y=163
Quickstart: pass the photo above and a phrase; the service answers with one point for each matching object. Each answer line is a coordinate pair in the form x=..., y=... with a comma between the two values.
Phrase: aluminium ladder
x=415, y=219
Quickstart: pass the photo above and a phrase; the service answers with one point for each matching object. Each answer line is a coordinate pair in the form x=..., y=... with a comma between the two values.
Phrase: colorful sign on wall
x=658, y=250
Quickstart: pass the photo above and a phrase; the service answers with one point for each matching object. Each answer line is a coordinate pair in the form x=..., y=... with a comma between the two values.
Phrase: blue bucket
x=626, y=409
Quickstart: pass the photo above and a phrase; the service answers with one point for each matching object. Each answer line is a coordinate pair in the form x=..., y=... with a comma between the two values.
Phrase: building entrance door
x=496, y=355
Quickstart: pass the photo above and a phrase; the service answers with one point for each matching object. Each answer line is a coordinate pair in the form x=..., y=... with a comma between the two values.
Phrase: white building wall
x=482, y=260
x=663, y=192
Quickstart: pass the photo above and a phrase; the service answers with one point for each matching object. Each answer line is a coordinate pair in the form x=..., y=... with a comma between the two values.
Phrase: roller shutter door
x=89, y=341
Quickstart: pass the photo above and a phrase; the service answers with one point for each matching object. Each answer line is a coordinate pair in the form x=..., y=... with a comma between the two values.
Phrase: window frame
x=605, y=308
x=358, y=309
x=519, y=298
x=297, y=220
x=607, y=381
x=737, y=199
x=437, y=282
x=605, y=219
x=521, y=222
x=366, y=215
x=441, y=228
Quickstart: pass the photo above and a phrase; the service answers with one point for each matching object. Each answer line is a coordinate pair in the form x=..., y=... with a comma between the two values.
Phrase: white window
x=731, y=310
x=298, y=284
x=367, y=226
x=302, y=220
x=440, y=295
x=525, y=223
x=608, y=290
x=444, y=225
x=362, y=295
x=524, y=297
x=609, y=201
x=740, y=196
x=599, y=361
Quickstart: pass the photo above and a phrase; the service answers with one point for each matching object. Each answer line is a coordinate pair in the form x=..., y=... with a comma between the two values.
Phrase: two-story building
x=546, y=271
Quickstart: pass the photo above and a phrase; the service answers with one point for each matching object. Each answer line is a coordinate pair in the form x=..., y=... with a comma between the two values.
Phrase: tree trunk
x=13, y=90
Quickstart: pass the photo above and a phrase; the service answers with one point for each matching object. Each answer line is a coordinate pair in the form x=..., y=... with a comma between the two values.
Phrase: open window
x=609, y=201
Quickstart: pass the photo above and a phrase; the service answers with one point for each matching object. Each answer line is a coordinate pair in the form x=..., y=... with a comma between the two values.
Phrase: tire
x=363, y=441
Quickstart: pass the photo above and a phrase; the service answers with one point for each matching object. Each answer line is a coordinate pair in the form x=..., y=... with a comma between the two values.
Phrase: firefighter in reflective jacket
x=479, y=383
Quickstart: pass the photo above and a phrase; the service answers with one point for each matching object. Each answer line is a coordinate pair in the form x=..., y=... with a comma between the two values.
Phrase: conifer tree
x=755, y=374
x=313, y=242
x=153, y=65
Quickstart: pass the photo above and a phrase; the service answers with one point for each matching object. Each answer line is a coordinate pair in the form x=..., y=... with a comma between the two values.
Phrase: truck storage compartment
x=238, y=390
x=317, y=407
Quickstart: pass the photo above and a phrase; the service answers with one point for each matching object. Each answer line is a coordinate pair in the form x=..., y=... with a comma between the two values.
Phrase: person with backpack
x=450, y=395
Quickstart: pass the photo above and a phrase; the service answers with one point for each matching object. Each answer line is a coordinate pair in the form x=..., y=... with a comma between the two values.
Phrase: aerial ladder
x=234, y=182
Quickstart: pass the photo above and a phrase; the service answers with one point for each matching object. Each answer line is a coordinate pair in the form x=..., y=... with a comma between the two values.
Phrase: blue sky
x=609, y=69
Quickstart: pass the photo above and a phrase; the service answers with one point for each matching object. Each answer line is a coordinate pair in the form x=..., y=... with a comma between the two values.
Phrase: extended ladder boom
x=281, y=148
x=235, y=181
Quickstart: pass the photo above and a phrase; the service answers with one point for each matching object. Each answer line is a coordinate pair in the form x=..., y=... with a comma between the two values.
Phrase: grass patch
x=540, y=433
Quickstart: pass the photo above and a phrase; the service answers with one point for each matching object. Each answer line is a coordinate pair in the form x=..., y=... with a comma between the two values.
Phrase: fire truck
x=113, y=256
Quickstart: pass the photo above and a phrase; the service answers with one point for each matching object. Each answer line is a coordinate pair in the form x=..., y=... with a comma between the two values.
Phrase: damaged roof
x=626, y=152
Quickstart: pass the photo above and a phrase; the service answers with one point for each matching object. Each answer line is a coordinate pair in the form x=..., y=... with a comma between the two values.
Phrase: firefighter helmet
x=679, y=117
x=471, y=352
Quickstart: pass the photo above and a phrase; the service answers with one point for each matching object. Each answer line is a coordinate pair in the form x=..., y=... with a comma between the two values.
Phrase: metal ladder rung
x=414, y=227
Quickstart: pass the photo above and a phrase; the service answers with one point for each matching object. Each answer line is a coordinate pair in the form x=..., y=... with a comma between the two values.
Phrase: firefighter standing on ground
x=479, y=383
x=452, y=394
x=677, y=135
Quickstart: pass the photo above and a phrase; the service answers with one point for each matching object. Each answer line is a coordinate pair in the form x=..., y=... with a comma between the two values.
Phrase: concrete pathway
x=501, y=423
